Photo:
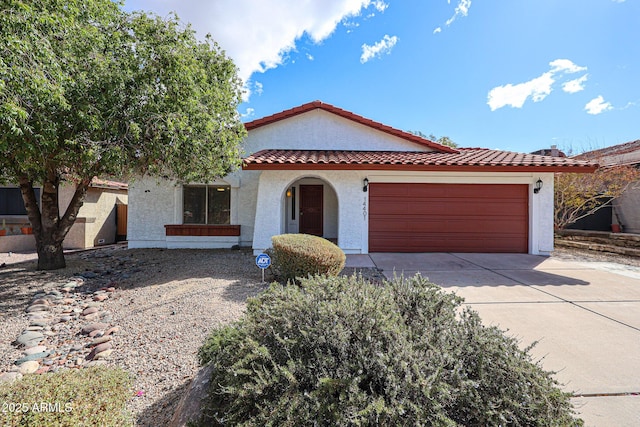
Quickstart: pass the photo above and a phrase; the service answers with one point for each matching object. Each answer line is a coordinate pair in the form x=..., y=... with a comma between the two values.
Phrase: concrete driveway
x=585, y=317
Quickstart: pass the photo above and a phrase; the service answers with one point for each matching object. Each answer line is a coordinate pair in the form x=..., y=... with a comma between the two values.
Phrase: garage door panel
x=444, y=209
x=448, y=217
x=451, y=226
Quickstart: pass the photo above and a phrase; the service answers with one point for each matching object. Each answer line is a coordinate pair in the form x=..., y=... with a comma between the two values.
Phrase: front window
x=206, y=204
x=11, y=201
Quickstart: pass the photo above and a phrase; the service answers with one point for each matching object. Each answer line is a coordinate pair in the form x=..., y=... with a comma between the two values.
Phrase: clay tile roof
x=465, y=159
x=113, y=185
x=627, y=153
x=350, y=116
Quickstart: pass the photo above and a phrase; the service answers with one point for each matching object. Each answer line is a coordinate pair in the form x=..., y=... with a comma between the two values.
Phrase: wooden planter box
x=202, y=230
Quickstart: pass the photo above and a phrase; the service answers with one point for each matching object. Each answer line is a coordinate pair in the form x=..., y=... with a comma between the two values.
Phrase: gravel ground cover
x=163, y=303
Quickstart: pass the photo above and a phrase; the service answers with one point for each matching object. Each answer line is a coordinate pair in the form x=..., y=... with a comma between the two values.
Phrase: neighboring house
x=321, y=170
x=553, y=152
x=626, y=208
x=95, y=225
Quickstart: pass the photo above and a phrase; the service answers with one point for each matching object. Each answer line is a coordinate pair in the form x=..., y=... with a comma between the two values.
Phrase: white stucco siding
x=347, y=187
x=246, y=204
x=319, y=129
x=152, y=204
x=541, y=216
x=626, y=209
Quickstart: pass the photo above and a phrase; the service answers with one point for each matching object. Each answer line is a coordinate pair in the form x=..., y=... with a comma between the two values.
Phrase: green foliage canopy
x=87, y=90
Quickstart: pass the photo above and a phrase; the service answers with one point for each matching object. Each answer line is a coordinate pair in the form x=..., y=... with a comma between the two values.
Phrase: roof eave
x=418, y=168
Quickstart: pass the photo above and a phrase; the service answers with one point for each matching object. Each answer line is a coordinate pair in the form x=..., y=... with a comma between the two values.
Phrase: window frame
x=207, y=189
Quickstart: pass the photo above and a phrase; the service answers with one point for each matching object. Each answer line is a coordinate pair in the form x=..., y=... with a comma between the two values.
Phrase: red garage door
x=448, y=218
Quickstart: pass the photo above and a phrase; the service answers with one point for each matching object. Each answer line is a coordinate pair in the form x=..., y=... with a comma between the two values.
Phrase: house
x=625, y=208
x=95, y=225
x=321, y=170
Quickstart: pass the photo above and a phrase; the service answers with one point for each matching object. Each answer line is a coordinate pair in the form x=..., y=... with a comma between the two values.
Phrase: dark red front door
x=311, y=209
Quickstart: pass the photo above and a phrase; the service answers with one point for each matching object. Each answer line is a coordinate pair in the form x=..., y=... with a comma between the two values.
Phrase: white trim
x=201, y=242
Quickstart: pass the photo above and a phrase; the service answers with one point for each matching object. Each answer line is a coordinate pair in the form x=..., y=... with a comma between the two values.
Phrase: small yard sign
x=263, y=261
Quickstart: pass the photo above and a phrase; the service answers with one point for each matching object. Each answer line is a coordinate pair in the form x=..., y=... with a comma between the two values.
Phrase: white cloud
x=383, y=46
x=565, y=66
x=257, y=88
x=257, y=35
x=597, y=106
x=248, y=113
x=515, y=95
x=380, y=5
x=462, y=9
x=310, y=57
x=575, y=85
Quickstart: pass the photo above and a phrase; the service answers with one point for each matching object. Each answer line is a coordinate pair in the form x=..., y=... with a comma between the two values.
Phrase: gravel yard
x=165, y=303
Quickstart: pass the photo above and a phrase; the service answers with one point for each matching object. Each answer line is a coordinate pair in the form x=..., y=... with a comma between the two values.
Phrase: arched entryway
x=311, y=207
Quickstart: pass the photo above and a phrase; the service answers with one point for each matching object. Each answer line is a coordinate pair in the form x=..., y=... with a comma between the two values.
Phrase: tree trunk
x=50, y=256
x=49, y=228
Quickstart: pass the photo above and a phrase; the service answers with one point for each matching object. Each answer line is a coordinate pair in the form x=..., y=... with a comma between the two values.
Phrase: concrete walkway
x=584, y=316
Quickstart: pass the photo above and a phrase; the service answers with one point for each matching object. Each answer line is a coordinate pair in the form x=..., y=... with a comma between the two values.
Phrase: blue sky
x=506, y=74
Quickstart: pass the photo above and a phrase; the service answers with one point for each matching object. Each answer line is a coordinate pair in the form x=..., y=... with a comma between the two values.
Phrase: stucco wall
x=155, y=203
x=96, y=223
x=152, y=204
x=627, y=207
x=321, y=130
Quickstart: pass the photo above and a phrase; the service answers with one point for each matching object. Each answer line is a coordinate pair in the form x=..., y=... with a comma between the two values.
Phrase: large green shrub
x=340, y=351
x=86, y=397
x=301, y=255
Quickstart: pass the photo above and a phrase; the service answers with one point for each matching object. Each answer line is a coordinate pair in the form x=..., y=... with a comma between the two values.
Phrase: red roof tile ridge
x=350, y=116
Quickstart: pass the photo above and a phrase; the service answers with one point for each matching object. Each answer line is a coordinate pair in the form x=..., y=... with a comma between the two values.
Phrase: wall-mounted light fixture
x=288, y=192
x=365, y=184
x=538, y=186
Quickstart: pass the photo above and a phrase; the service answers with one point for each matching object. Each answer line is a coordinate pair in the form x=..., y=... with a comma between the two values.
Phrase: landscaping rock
x=100, y=340
x=93, y=326
x=38, y=323
x=103, y=355
x=9, y=377
x=34, y=350
x=96, y=333
x=37, y=307
x=89, y=310
x=30, y=338
x=190, y=405
x=112, y=330
x=34, y=356
x=29, y=367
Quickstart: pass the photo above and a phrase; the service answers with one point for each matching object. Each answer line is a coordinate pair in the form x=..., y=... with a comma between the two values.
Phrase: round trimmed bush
x=340, y=351
x=301, y=255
